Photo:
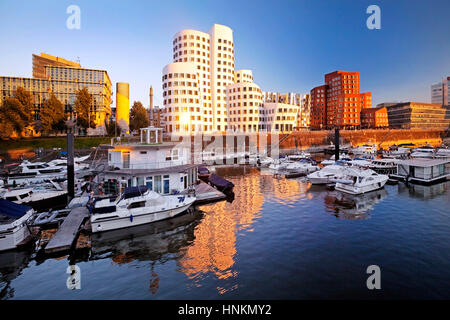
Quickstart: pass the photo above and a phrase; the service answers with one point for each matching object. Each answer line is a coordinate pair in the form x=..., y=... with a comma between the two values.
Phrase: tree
x=83, y=105
x=16, y=113
x=52, y=115
x=26, y=100
x=138, y=116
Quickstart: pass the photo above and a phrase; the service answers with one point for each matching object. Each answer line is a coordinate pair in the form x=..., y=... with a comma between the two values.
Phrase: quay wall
x=383, y=138
x=323, y=138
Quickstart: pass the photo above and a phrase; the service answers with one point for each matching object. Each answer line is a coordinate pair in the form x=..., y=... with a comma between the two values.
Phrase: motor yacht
x=423, y=152
x=367, y=150
x=136, y=206
x=442, y=153
x=359, y=181
x=332, y=160
x=37, y=198
x=304, y=166
x=14, y=219
x=326, y=174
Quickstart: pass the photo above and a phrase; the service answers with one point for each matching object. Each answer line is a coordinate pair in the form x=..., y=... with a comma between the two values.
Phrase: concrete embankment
x=383, y=138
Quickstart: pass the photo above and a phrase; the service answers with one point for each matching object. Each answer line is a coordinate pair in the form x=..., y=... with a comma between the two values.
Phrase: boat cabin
x=164, y=167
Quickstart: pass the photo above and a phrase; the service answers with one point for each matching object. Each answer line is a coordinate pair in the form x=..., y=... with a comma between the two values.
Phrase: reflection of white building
x=162, y=167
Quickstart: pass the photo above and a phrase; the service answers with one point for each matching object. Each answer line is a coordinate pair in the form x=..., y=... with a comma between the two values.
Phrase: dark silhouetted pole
x=70, y=161
x=336, y=144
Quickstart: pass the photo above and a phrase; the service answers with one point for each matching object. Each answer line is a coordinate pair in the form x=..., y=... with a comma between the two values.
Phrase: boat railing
x=149, y=165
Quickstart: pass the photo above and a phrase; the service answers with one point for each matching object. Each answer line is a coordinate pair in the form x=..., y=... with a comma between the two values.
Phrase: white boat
x=359, y=162
x=367, y=150
x=36, y=198
x=384, y=166
x=396, y=152
x=14, y=219
x=342, y=157
x=251, y=159
x=442, y=153
x=299, y=156
x=136, y=206
x=78, y=165
x=304, y=166
x=359, y=181
x=423, y=152
x=279, y=164
x=265, y=161
x=35, y=172
x=326, y=174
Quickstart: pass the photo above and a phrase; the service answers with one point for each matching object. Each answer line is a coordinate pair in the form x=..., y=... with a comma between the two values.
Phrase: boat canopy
x=220, y=182
x=12, y=210
x=131, y=192
x=203, y=170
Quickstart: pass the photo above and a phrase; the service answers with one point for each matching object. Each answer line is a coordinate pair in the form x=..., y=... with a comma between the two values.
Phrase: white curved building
x=181, y=98
x=202, y=91
x=244, y=101
x=211, y=56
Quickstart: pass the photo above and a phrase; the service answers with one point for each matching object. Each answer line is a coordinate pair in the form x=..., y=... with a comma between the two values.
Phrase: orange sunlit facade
x=374, y=118
x=318, y=112
x=338, y=103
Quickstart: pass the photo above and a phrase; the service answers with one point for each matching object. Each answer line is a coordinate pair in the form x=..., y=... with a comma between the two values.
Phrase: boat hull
x=350, y=189
x=112, y=223
x=10, y=239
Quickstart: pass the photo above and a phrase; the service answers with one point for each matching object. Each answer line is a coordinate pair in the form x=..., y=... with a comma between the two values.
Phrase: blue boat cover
x=203, y=170
x=220, y=182
x=12, y=210
x=131, y=192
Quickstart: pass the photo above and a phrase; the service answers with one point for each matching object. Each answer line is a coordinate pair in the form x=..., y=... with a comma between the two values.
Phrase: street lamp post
x=70, y=160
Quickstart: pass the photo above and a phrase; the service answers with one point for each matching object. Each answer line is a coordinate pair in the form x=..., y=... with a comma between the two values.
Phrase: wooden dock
x=67, y=233
x=207, y=194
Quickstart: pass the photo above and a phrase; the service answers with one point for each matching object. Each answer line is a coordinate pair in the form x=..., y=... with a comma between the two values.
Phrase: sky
x=288, y=44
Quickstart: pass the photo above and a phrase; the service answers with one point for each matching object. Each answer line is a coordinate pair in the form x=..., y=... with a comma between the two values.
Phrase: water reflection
x=158, y=242
x=214, y=248
x=424, y=192
x=11, y=265
x=353, y=207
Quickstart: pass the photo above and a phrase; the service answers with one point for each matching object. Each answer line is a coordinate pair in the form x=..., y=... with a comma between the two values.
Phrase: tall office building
x=63, y=78
x=339, y=102
x=440, y=92
x=40, y=62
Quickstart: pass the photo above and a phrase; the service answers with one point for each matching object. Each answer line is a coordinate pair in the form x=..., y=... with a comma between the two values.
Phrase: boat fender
x=131, y=218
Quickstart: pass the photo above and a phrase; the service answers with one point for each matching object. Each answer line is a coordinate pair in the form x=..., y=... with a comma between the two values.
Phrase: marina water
x=277, y=239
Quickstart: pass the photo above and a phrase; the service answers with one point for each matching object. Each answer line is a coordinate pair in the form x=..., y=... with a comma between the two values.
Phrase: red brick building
x=343, y=101
x=318, y=114
x=372, y=118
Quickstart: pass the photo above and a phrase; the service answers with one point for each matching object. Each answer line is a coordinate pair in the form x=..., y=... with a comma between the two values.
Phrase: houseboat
x=423, y=171
x=163, y=167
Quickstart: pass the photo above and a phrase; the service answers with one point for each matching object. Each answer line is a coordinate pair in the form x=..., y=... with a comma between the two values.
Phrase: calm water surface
x=278, y=239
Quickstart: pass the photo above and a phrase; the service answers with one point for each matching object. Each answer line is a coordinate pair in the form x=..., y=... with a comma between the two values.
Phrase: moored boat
x=136, y=206
x=358, y=181
x=14, y=219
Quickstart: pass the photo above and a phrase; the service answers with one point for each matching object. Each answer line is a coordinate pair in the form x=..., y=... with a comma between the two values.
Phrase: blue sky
x=289, y=45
